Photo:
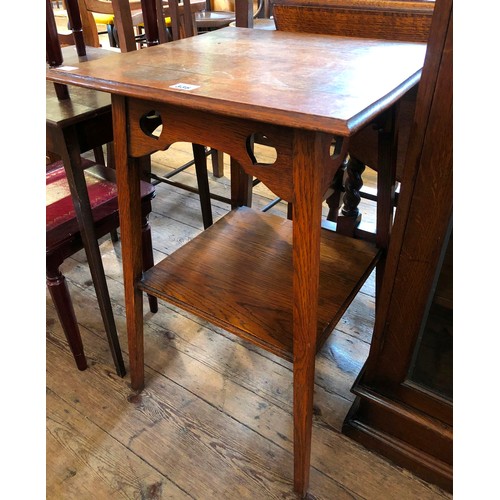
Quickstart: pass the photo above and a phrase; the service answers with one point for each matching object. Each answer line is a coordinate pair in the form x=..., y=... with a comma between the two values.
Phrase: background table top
x=83, y=103
x=316, y=82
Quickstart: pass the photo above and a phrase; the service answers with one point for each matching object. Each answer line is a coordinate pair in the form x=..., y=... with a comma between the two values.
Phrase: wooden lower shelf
x=238, y=275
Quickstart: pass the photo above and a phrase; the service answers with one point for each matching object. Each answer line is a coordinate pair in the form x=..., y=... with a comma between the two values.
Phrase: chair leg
x=350, y=215
x=59, y=292
x=147, y=258
x=200, y=163
x=99, y=155
x=334, y=200
x=113, y=40
x=110, y=155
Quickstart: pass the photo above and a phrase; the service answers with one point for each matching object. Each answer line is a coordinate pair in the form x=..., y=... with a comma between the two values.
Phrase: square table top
x=314, y=82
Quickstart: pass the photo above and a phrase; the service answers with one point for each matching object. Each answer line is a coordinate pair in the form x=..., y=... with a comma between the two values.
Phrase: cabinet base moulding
x=370, y=422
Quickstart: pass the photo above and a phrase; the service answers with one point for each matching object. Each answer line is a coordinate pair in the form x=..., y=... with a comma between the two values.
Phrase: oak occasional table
x=282, y=285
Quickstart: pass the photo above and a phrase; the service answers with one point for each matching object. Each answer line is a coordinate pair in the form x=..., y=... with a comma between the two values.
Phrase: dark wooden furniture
x=383, y=19
x=404, y=403
x=118, y=26
x=74, y=126
x=126, y=16
x=78, y=121
x=214, y=18
x=211, y=19
x=164, y=29
x=63, y=237
x=267, y=287
x=407, y=20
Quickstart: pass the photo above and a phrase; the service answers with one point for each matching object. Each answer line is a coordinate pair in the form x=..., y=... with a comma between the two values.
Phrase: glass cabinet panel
x=432, y=365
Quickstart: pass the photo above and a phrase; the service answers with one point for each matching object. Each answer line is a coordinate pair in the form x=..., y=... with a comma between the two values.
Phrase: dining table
x=279, y=283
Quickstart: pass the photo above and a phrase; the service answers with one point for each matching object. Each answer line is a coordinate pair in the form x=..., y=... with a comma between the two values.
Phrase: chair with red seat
x=77, y=121
x=63, y=237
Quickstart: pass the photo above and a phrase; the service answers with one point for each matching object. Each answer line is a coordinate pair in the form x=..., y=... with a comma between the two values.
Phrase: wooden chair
x=101, y=12
x=63, y=237
x=77, y=121
x=399, y=20
x=165, y=33
x=406, y=20
x=204, y=17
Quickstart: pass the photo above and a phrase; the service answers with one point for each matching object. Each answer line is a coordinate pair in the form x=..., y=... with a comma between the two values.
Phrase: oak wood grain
x=394, y=414
x=229, y=377
x=257, y=277
x=351, y=104
x=382, y=19
x=106, y=403
x=233, y=461
x=243, y=382
x=297, y=93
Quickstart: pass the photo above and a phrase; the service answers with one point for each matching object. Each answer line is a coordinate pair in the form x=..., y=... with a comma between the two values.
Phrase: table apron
x=231, y=135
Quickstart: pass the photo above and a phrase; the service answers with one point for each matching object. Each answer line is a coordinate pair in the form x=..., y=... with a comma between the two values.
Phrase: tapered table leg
x=128, y=173
x=306, y=247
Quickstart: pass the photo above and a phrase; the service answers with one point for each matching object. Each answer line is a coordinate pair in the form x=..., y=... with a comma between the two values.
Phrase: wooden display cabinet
x=404, y=406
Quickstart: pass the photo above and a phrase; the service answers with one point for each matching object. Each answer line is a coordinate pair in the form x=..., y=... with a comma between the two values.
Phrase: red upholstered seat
x=61, y=221
x=58, y=197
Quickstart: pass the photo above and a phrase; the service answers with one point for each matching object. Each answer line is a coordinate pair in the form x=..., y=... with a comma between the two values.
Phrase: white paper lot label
x=184, y=86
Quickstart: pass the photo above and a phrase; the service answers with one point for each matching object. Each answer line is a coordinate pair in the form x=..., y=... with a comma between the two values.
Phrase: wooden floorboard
x=215, y=418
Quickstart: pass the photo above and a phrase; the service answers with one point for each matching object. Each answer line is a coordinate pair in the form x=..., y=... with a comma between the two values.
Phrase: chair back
x=157, y=12
x=404, y=20
x=120, y=10
x=53, y=52
x=82, y=30
x=182, y=17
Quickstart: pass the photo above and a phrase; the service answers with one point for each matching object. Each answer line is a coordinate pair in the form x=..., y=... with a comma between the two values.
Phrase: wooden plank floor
x=215, y=418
